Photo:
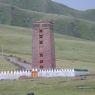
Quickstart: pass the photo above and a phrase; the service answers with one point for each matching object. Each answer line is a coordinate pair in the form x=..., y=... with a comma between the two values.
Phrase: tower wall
x=43, y=50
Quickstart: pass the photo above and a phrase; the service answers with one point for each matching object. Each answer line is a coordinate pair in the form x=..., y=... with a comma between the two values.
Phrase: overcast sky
x=78, y=4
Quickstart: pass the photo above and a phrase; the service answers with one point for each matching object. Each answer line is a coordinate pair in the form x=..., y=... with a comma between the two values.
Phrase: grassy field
x=5, y=65
x=49, y=86
x=70, y=53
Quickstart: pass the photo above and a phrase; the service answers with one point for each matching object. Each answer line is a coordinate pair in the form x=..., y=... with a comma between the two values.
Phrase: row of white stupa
x=11, y=75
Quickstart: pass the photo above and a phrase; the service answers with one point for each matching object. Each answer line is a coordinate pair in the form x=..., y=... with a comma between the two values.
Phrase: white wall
x=11, y=75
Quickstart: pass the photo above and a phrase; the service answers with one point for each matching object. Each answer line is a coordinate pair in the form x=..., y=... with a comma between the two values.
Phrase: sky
x=78, y=4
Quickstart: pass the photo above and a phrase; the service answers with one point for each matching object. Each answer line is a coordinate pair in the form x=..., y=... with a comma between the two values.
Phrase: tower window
x=41, y=36
x=41, y=31
x=41, y=66
x=41, y=42
x=41, y=55
x=36, y=25
x=44, y=25
x=41, y=61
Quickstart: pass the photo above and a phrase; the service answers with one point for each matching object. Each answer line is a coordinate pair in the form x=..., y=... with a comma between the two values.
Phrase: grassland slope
x=71, y=52
x=46, y=6
x=49, y=6
x=63, y=24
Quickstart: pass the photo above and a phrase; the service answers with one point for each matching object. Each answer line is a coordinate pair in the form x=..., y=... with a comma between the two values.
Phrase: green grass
x=5, y=65
x=75, y=50
x=49, y=86
x=70, y=52
x=89, y=14
x=75, y=64
x=15, y=40
x=42, y=6
x=75, y=53
x=48, y=6
x=73, y=26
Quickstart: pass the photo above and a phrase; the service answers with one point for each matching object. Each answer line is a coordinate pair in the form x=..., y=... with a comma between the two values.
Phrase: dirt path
x=18, y=62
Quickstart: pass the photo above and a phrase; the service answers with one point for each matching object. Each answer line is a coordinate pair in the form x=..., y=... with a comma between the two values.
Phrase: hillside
x=46, y=6
x=72, y=26
x=71, y=52
x=89, y=14
x=18, y=13
x=49, y=6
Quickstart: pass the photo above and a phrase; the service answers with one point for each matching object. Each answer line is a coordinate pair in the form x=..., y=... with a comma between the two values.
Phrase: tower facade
x=43, y=49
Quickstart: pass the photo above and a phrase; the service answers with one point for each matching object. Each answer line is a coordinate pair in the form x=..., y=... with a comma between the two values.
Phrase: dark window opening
x=44, y=25
x=51, y=27
x=41, y=42
x=41, y=61
x=41, y=31
x=41, y=67
x=41, y=55
x=41, y=36
x=36, y=25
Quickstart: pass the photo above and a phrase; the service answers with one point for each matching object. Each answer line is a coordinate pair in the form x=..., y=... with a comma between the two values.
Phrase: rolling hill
x=46, y=6
x=74, y=31
x=67, y=21
x=89, y=14
x=49, y=6
x=72, y=26
x=71, y=52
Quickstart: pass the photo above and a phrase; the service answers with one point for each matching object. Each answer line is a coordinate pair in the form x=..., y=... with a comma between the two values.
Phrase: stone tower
x=43, y=49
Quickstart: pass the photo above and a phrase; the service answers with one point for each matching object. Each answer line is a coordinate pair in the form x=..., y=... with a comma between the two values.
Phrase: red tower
x=43, y=50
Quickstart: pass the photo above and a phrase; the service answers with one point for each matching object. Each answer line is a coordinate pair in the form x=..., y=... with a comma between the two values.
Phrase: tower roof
x=43, y=21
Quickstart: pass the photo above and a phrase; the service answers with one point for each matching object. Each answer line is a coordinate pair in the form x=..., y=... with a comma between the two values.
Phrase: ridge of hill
x=89, y=14
x=49, y=6
x=72, y=26
x=46, y=6
x=12, y=14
